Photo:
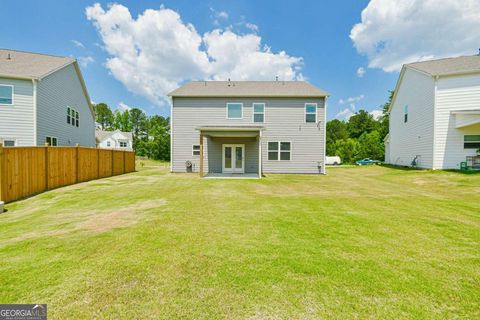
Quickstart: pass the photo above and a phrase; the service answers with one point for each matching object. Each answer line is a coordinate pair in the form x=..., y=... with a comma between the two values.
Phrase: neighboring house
x=435, y=114
x=43, y=99
x=248, y=127
x=114, y=139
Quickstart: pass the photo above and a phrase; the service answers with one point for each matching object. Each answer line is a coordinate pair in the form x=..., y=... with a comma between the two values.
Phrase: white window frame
x=240, y=103
x=305, y=111
x=254, y=113
x=51, y=139
x=2, y=140
x=123, y=141
x=193, y=150
x=13, y=95
x=109, y=143
x=279, y=150
x=73, y=118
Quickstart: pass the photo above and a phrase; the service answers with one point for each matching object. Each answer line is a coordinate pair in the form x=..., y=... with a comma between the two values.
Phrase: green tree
x=138, y=124
x=347, y=150
x=371, y=146
x=122, y=121
x=336, y=130
x=103, y=116
x=360, y=123
x=384, y=119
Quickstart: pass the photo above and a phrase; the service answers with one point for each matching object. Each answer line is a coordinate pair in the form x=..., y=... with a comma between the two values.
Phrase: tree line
x=151, y=134
x=361, y=136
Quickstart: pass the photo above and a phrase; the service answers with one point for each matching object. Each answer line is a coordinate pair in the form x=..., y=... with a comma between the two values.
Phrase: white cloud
x=396, y=32
x=345, y=114
x=78, y=44
x=85, y=61
x=352, y=106
x=154, y=53
x=361, y=72
x=376, y=114
x=352, y=99
x=122, y=107
x=251, y=26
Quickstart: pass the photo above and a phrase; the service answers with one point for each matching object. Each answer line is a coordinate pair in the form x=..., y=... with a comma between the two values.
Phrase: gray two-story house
x=248, y=128
x=43, y=99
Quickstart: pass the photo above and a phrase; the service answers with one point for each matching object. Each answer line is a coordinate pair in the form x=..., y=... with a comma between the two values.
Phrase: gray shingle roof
x=248, y=89
x=449, y=66
x=29, y=65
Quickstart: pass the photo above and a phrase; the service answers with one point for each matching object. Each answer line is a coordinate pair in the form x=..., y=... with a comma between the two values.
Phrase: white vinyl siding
x=414, y=137
x=453, y=94
x=17, y=120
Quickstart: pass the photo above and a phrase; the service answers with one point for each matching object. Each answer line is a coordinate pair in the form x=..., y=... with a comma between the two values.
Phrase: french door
x=233, y=158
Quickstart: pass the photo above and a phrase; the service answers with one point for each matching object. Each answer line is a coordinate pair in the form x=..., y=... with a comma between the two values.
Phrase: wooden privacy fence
x=25, y=171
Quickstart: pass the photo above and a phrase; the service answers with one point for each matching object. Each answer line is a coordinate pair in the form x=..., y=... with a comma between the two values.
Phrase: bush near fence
x=25, y=171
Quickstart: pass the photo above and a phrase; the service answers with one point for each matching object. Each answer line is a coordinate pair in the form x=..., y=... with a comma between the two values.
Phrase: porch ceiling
x=465, y=118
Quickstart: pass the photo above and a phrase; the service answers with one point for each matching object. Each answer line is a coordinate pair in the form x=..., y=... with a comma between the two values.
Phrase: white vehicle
x=334, y=160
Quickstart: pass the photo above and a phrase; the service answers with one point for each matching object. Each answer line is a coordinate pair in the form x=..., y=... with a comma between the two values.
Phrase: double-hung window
x=279, y=151
x=234, y=110
x=259, y=112
x=6, y=94
x=471, y=141
x=196, y=150
x=311, y=112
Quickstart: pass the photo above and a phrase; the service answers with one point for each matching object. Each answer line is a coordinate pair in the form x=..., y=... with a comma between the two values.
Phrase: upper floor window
x=405, y=115
x=6, y=94
x=234, y=110
x=123, y=144
x=310, y=112
x=259, y=112
x=109, y=144
x=471, y=141
x=73, y=117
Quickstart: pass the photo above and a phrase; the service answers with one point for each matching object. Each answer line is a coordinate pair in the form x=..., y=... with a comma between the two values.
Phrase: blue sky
x=315, y=36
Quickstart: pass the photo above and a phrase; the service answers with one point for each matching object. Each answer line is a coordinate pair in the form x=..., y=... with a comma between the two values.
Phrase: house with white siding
x=114, y=139
x=248, y=128
x=435, y=114
x=43, y=99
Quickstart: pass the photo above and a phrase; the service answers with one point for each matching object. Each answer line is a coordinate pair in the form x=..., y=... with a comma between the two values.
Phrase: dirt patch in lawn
x=67, y=222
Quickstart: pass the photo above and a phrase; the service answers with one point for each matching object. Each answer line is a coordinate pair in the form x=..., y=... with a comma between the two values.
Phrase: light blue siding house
x=43, y=99
x=248, y=128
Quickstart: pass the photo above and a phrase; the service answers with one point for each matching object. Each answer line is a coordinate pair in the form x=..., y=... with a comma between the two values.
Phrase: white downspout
x=435, y=79
x=260, y=154
x=34, y=83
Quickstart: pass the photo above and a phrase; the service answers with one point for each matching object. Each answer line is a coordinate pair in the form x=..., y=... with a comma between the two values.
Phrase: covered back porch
x=230, y=152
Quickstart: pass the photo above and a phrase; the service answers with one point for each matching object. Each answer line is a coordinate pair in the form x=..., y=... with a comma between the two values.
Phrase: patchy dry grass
x=368, y=242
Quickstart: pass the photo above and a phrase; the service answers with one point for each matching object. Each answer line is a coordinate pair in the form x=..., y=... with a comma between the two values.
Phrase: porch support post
x=201, y=154
x=260, y=153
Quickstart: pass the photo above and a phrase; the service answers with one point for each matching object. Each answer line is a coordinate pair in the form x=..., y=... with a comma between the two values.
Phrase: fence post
x=77, y=174
x=46, y=165
x=1, y=178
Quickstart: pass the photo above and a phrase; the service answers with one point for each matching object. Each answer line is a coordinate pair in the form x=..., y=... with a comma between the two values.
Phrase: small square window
x=123, y=144
x=279, y=151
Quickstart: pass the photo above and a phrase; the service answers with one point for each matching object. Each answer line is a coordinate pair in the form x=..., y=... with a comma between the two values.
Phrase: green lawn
x=361, y=242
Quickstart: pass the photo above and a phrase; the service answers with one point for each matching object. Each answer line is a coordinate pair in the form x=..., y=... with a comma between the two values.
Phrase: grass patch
x=362, y=242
